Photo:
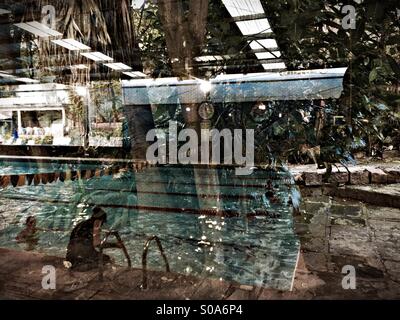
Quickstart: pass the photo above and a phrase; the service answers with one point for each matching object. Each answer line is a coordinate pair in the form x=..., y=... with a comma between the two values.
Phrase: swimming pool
x=211, y=222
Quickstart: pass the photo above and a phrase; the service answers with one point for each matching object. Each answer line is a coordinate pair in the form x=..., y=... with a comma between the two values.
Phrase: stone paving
x=336, y=232
x=387, y=195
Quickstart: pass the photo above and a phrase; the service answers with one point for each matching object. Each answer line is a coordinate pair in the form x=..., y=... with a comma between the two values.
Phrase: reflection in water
x=242, y=231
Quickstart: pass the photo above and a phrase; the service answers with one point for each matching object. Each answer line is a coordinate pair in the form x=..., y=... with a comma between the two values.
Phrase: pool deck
x=21, y=278
x=333, y=233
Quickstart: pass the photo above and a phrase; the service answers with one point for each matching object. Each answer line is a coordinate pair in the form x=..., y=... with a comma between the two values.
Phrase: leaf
x=373, y=75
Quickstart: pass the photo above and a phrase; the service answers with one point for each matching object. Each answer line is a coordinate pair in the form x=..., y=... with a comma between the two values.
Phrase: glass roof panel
x=4, y=11
x=274, y=66
x=208, y=58
x=118, y=66
x=77, y=44
x=33, y=30
x=96, y=56
x=135, y=74
x=268, y=55
x=44, y=28
x=71, y=44
x=263, y=43
x=256, y=26
x=238, y=8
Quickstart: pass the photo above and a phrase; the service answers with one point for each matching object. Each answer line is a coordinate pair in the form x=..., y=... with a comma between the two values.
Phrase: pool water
x=211, y=222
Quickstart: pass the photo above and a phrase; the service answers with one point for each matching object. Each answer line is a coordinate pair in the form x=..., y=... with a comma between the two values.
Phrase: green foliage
x=107, y=100
x=151, y=40
x=311, y=36
x=76, y=109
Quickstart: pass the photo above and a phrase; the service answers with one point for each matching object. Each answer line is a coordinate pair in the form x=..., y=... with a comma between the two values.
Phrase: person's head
x=30, y=221
x=99, y=214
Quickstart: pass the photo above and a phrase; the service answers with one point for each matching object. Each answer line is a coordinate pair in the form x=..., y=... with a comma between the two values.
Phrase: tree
x=311, y=35
x=184, y=24
x=104, y=25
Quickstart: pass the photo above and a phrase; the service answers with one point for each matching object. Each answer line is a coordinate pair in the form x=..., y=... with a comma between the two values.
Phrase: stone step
x=385, y=196
x=356, y=175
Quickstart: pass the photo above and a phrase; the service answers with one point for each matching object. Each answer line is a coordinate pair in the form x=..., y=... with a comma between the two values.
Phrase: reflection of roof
x=36, y=96
x=254, y=26
x=265, y=86
x=4, y=11
x=5, y=115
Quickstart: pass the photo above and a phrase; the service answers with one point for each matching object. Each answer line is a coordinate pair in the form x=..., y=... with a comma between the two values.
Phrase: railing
x=144, y=258
x=104, y=245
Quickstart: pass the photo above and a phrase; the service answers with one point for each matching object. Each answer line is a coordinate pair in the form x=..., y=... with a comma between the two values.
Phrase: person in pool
x=29, y=234
x=82, y=251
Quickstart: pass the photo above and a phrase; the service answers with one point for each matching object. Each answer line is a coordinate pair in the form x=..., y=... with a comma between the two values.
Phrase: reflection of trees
x=76, y=110
x=107, y=101
x=311, y=36
x=104, y=25
x=184, y=26
x=185, y=31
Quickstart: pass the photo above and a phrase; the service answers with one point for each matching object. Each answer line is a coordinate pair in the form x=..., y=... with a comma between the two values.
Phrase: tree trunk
x=184, y=33
x=140, y=122
x=185, y=37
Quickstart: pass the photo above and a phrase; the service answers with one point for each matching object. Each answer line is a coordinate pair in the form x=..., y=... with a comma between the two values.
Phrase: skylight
x=96, y=56
x=79, y=66
x=208, y=58
x=71, y=44
x=6, y=75
x=274, y=66
x=268, y=55
x=118, y=66
x=263, y=43
x=44, y=28
x=4, y=11
x=239, y=8
x=27, y=80
x=135, y=74
x=38, y=29
x=256, y=26
x=250, y=17
x=14, y=78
